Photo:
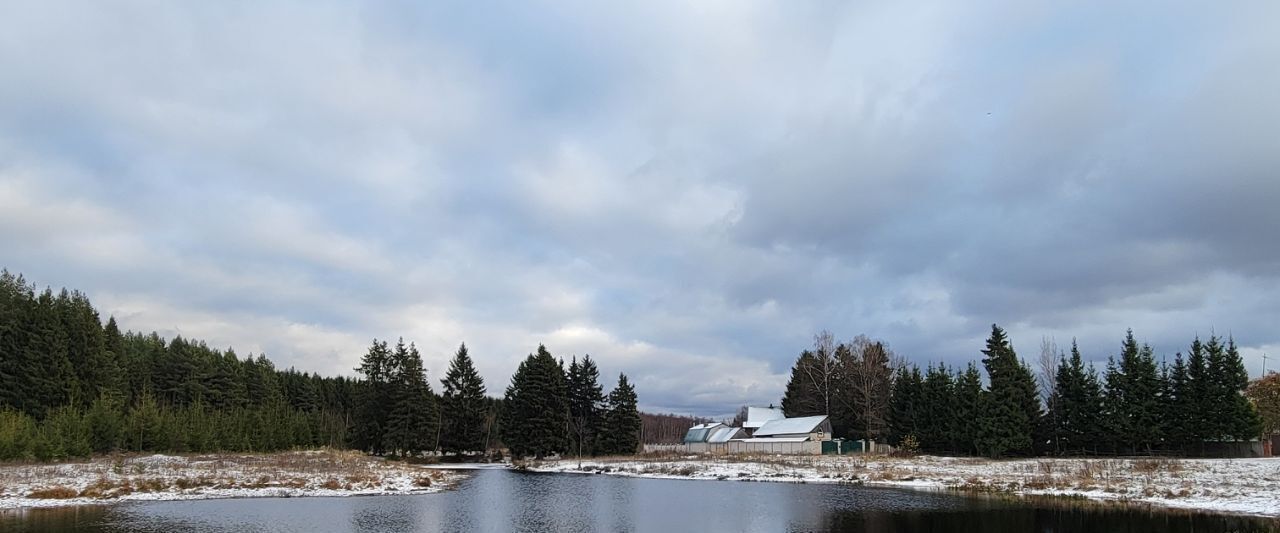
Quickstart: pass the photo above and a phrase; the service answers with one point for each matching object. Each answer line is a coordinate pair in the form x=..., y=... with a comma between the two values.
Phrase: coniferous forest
x=1135, y=406
x=72, y=386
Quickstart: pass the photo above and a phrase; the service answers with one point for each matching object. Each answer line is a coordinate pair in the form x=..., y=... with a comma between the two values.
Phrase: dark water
x=499, y=500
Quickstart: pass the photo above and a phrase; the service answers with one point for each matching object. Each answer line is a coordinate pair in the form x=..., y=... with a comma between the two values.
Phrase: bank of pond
x=508, y=500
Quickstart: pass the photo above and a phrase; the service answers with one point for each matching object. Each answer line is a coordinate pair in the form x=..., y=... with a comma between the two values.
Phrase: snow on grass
x=1245, y=486
x=166, y=477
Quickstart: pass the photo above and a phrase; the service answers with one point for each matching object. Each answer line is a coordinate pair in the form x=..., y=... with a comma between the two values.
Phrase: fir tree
x=463, y=406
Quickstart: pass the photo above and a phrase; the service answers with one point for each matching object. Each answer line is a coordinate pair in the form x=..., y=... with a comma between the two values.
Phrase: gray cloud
x=686, y=193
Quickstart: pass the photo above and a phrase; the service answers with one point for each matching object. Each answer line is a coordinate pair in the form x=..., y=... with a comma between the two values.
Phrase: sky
x=686, y=191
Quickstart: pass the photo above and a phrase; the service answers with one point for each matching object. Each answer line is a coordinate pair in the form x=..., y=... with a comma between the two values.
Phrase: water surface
x=501, y=500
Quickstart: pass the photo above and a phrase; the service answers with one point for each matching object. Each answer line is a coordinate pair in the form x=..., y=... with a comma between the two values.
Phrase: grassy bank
x=166, y=477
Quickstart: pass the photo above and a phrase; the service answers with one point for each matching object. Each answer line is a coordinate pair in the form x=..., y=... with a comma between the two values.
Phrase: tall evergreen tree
x=1133, y=389
x=905, y=401
x=1079, y=401
x=463, y=405
x=803, y=396
x=621, y=435
x=937, y=415
x=1244, y=422
x=535, y=408
x=968, y=410
x=413, y=420
x=373, y=401
x=1013, y=404
x=586, y=401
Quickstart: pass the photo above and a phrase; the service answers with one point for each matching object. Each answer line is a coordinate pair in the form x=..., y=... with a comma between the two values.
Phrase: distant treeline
x=71, y=386
x=667, y=428
x=1135, y=406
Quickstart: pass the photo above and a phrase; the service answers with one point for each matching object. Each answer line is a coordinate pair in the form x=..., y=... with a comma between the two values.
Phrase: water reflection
x=494, y=500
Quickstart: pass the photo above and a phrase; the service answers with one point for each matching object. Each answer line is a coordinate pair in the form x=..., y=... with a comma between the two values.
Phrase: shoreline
x=156, y=477
x=1230, y=486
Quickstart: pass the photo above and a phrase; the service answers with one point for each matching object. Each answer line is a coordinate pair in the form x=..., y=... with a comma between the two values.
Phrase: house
x=712, y=432
x=801, y=429
x=757, y=416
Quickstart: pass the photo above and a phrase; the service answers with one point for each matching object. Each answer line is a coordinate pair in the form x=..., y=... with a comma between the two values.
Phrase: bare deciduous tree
x=1048, y=378
x=821, y=374
x=866, y=370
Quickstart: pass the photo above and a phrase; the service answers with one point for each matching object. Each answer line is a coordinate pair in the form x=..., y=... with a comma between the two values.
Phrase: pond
x=503, y=500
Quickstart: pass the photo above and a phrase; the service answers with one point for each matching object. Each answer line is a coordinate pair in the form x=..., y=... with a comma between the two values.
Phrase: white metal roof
x=723, y=434
x=791, y=426
x=775, y=439
x=757, y=416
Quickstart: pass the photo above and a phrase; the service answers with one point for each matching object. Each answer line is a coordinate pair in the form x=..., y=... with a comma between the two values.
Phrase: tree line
x=71, y=386
x=1135, y=406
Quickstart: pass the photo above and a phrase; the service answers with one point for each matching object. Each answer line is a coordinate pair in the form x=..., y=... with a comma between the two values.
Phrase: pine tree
x=1013, y=404
x=586, y=401
x=463, y=406
x=535, y=412
x=621, y=435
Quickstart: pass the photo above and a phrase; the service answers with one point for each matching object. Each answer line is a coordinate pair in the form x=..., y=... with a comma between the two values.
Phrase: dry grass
x=54, y=493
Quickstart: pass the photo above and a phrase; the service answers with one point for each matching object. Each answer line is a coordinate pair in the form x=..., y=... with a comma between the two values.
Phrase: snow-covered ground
x=165, y=477
x=1245, y=486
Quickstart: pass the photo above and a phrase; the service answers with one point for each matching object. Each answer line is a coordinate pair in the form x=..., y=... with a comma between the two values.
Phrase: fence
x=782, y=448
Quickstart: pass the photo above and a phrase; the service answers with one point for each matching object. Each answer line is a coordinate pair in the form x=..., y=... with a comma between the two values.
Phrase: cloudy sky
x=687, y=191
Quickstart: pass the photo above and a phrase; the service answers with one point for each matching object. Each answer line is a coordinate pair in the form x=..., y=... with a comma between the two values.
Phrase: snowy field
x=165, y=477
x=1245, y=486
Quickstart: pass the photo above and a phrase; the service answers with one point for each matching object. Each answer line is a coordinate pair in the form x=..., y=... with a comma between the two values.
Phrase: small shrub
x=422, y=481
x=331, y=484
x=909, y=447
x=53, y=493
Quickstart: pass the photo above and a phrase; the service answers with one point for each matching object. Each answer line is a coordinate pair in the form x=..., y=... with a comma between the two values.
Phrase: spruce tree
x=1244, y=422
x=802, y=396
x=621, y=434
x=373, y=401
x=1197, y=396
x=463, y=406
x=413, y=420
x=937, y=413
x=535, y=412
x=586, y=401
x=1079, y=403
x=905, y=400
x=1133, y=388
x=968, y=410
x=1013, y=404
